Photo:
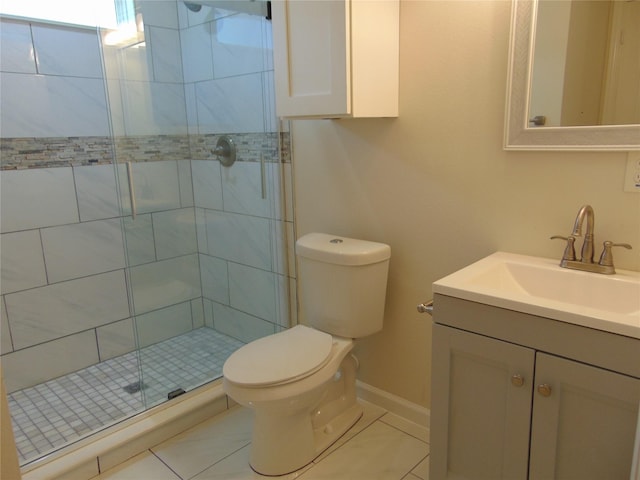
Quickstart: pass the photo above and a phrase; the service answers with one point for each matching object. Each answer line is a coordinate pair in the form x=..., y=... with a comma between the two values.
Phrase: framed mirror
x=532, y=124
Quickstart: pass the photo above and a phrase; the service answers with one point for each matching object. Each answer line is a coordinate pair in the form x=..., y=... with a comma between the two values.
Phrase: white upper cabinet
x=336, y=58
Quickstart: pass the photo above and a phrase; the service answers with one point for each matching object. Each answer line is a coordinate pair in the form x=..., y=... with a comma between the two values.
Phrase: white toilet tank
x=343, y=283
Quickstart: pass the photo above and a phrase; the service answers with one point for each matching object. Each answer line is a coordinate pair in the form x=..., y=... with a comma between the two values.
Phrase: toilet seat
x=280, y=358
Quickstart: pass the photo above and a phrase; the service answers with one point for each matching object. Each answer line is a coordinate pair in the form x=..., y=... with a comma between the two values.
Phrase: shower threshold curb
x=114, y=445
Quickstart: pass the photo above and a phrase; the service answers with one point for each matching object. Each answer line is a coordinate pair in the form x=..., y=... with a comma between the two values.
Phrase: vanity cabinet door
x=584, y=421
x=480, y=407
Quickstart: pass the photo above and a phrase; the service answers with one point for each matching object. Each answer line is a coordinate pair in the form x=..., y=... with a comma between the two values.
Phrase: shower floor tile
x=53, y=414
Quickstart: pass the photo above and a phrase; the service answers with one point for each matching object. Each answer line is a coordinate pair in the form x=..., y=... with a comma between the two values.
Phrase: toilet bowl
x=300, y=383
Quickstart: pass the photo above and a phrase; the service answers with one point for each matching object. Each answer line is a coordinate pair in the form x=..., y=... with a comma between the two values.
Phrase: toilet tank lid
x=341, y=250
x=278, y=358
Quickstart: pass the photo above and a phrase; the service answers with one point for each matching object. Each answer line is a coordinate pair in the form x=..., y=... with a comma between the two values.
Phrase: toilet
x=300, y=383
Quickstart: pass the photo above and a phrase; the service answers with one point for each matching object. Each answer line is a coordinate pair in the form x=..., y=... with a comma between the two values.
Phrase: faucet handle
x=569, y=250
x=606, y=259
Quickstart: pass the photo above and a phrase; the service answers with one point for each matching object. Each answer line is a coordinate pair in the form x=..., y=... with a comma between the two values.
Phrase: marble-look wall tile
x=115, y=339
x=159, y=14
x=31, y=366
x=239, y=238
x=240, y=325
x=159, y=325
x=168, y=282
x=175, y=233
x=165, y=54
x=186, y=183
x=207, y=184
x=153, y=108
x=190, y=100
x=139, y=240
x=122, y=180
x=111, y=57
x=116, y=109
x=52, y=106
x=207, y=13
x=65, y=51
x=156, y=186
x=197, y=56
x=6, y=345
x=82, y=249
x=242, y=189
x=131, y=64
x=267, y=43
x=253, y=291
x=22, y=261
x=37, y=198
x=97, y=192
x=232, y=104
x=46, y=313
x=215, y=279
x=183, y=16
x=16, y=48
x=201, y=230
x=197, y=313
x=238, y=45
x=207, y=306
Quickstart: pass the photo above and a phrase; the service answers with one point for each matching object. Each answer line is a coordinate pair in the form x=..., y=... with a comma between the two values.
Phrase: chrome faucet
x=605, y=264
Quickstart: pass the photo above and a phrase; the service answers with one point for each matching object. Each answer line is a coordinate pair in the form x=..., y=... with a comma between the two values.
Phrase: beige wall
x=436, y=185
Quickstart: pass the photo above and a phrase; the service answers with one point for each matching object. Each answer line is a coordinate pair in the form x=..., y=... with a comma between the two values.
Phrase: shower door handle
x=132, y=195
x=263, y=178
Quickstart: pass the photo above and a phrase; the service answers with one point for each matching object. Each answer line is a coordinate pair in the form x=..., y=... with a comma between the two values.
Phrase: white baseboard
x=394, y=404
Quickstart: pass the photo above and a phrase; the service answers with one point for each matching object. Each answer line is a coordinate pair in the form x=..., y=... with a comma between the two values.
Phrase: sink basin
x=539, y=286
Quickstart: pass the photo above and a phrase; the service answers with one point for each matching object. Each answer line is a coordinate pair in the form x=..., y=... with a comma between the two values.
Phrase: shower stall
x=134, y=256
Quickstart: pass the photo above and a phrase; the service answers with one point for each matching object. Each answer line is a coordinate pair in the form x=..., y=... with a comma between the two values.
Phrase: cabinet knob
x=517, y=380
x=544, y=390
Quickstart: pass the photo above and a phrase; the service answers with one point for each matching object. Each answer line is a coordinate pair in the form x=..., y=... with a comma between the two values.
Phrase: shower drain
x=134, y=387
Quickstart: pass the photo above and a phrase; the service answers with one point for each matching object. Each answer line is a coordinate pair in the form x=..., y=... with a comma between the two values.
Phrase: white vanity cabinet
x=516, y=396
x=336, y=58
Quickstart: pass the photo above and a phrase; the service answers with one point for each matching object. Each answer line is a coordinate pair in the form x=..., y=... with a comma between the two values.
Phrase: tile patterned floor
x=60, y=411
x=380, y=446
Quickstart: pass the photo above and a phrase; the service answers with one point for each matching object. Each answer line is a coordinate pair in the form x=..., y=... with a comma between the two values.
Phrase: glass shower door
x=207, y=268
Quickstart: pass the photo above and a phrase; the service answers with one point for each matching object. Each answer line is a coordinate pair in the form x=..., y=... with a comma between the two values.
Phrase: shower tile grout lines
x=63, y=410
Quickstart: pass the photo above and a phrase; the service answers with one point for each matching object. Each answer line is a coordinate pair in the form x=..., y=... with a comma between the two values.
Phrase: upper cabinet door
x=336, y=58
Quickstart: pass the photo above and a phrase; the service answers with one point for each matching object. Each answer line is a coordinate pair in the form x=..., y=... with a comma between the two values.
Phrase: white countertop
x=539, y=286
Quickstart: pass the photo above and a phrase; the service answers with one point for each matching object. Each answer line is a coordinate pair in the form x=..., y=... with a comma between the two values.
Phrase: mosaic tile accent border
x=249, y=146
x=152, y=148
x=31, y=152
